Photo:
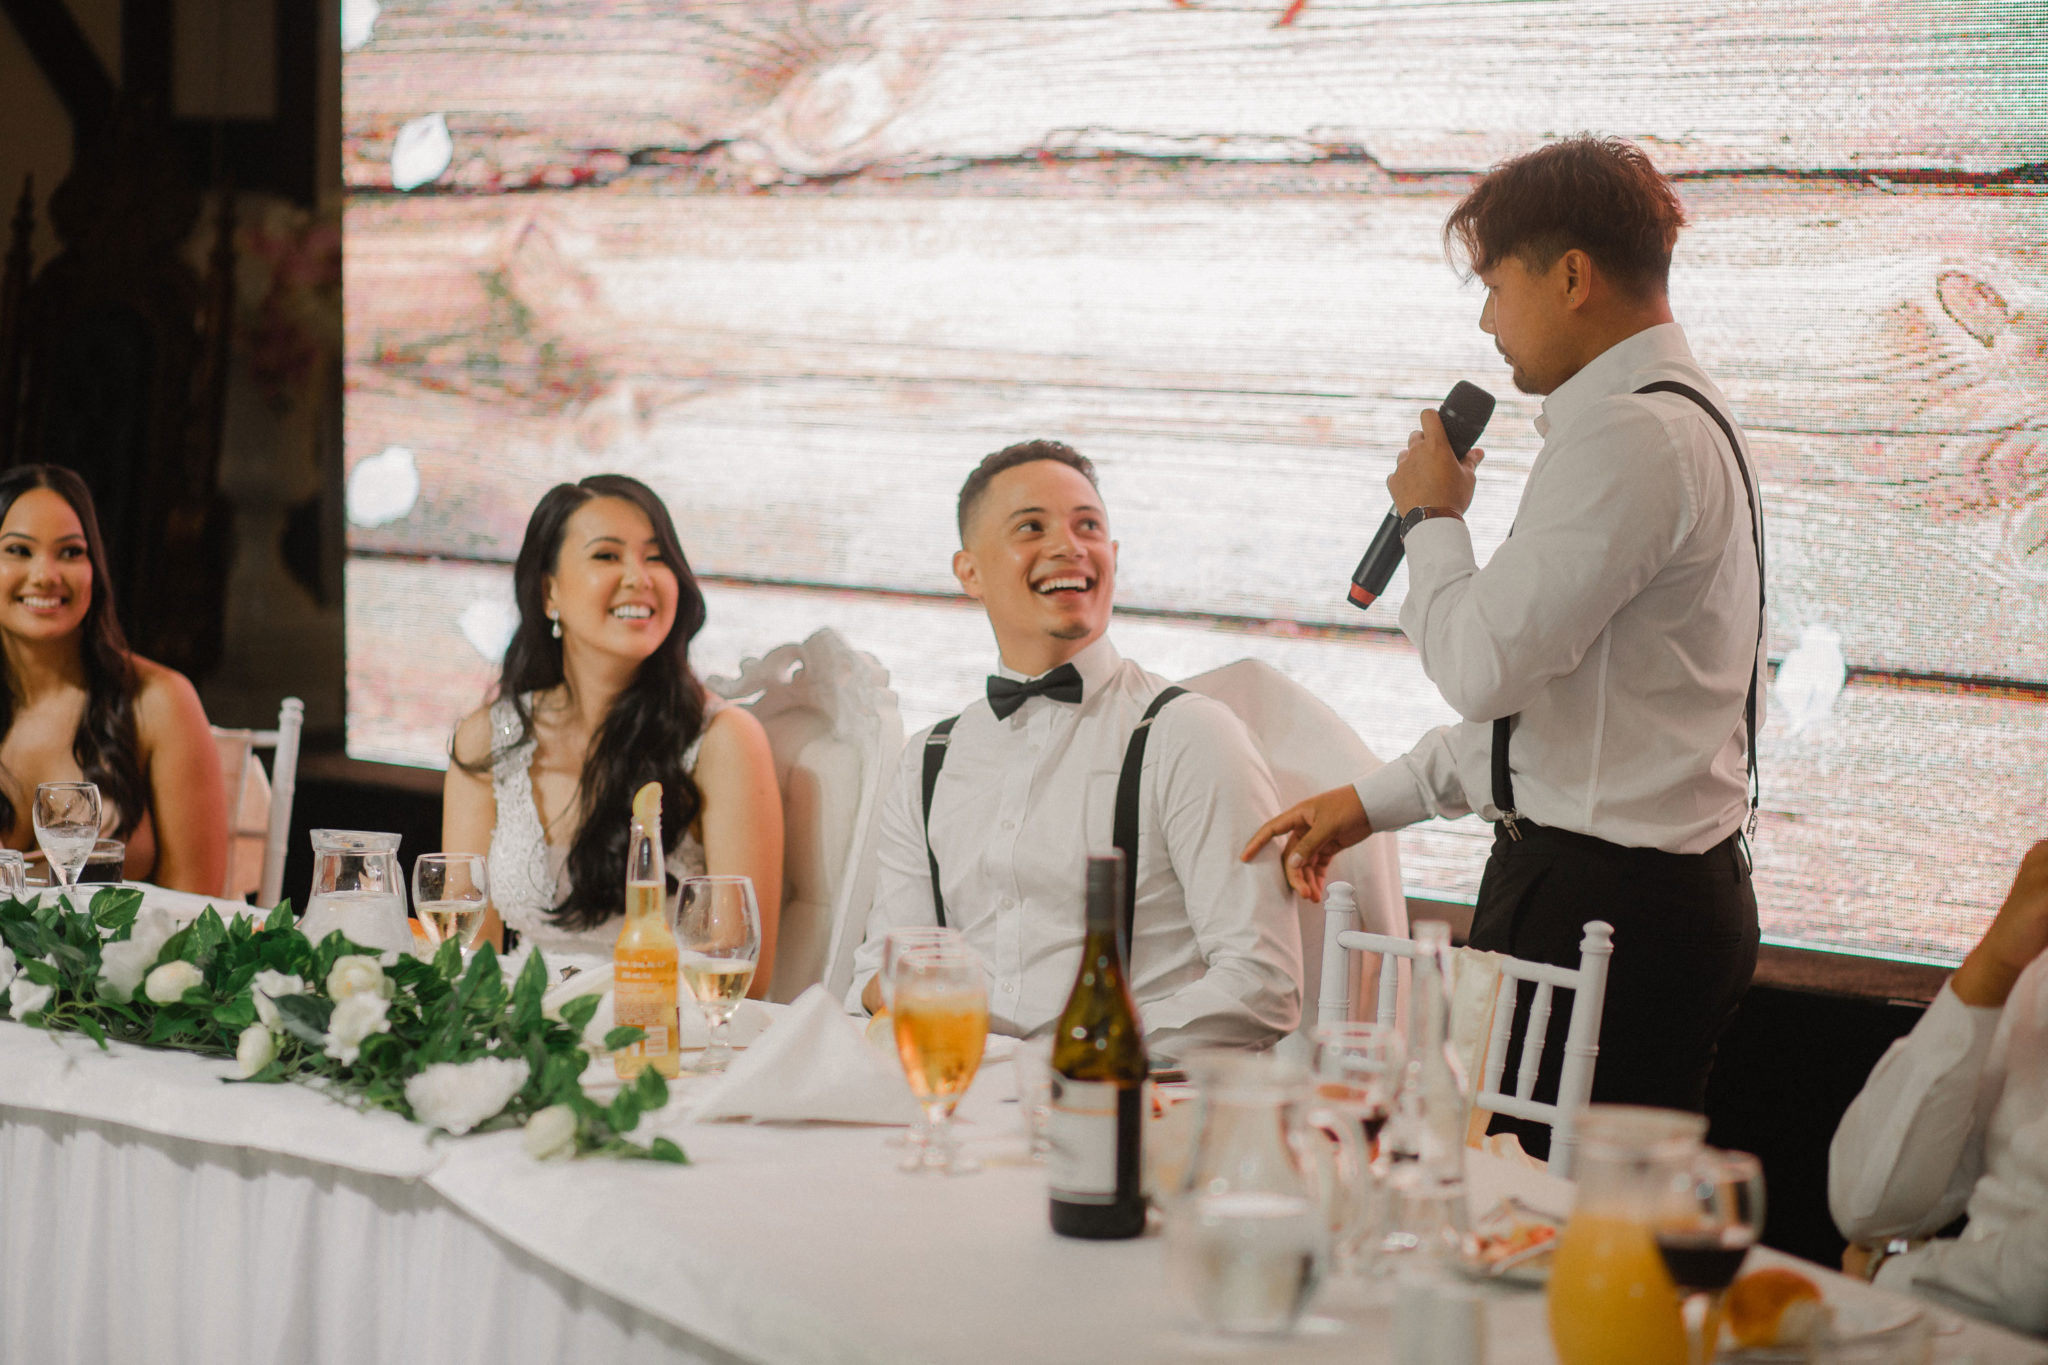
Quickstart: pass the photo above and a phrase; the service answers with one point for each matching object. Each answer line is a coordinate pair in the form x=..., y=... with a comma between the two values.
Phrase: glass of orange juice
x=1612, y=1301
x=939, y=1002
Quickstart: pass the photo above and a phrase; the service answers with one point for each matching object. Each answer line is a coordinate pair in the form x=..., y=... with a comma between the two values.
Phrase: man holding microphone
x=1607, y=660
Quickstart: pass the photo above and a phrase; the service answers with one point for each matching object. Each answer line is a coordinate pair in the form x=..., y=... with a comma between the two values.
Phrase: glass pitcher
x=357, y=888
x=1612, y=1302
x=1272, y=1179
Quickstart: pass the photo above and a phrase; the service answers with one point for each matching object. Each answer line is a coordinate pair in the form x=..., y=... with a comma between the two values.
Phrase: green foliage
x=438, y=1011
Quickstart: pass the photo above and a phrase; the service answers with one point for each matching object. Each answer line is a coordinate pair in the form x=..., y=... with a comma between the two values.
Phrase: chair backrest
x=835, y=732
x=260, y=807
x=1587, y=982
x=1311, y=749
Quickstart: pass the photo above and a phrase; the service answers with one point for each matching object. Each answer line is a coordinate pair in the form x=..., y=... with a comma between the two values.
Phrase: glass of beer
x=718, y=941
x=451, y=893
x=940, y=1010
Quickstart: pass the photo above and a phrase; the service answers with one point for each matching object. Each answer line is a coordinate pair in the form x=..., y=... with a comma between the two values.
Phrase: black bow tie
x=1062, y=684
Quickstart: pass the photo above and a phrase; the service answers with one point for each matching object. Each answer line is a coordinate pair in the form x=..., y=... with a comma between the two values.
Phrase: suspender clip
x=1507, y=822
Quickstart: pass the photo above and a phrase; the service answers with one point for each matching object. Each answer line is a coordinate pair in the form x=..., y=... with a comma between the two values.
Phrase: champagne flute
x=67, y=821
x=1358, y=1071
x=451, y=892
x=1710, y=1218
x=894, y=944
x=718, y=938
x=940, y=1011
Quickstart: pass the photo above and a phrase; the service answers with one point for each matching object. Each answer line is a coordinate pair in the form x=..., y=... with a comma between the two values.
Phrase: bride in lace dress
x=597, y=697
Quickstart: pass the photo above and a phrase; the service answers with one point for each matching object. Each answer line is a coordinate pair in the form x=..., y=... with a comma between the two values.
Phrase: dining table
x=153, y=1209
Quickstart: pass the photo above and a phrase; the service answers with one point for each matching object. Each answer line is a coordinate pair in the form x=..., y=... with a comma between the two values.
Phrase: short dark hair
x=1009, y=457
x=1598, y=194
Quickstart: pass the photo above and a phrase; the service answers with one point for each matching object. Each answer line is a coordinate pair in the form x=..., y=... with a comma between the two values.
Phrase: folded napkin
x=813, y=1065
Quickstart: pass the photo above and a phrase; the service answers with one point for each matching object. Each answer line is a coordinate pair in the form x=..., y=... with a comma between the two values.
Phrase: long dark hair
x=105, y=745
x=643, y=737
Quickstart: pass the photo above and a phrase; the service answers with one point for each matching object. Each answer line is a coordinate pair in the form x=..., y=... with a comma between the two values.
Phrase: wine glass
x=894, y=943
x=1358, y=1072
x=67, y=821
x=1705, y=1225
x=940, y=1010
x=718, y=938
x=451, y=892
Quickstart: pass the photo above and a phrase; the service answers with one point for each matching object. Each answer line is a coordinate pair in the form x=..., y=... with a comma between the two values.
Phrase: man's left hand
x=1429, y=475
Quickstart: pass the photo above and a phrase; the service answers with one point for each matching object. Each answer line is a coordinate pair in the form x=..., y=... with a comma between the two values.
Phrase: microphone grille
x=1465, y=412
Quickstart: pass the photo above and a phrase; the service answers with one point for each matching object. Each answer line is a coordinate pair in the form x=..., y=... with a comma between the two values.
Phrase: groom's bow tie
x=1062, y=684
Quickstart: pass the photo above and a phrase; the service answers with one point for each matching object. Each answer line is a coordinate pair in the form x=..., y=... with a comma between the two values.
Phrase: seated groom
x=1954, y=1119
x=1026, y=783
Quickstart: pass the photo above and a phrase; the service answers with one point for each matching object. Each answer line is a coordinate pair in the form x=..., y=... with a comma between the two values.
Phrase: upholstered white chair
x=1311, y=749
x=833, y=725
x=260, y=805
x=1503, y=978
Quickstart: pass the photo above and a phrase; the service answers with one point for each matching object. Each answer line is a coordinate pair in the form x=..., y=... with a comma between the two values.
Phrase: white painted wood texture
x=1894, y=825
x=761, y=91
x=808, y=380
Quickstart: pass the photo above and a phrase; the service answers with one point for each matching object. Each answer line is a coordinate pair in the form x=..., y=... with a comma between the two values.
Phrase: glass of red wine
x=1711, y=1217
x=1358, y=1070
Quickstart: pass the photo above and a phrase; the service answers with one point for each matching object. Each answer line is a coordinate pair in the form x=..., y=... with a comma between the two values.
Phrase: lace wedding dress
x=528, y=874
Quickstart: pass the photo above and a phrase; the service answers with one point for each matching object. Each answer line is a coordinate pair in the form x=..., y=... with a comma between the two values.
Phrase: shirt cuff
x=1440, y=540
x=1968, y=1028
x=1392, y=798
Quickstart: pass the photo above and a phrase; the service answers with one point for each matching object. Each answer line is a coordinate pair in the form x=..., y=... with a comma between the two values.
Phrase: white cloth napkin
x=813, y=1065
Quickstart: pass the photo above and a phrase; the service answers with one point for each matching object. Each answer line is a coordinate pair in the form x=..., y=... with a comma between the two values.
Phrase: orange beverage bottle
x=644, y=960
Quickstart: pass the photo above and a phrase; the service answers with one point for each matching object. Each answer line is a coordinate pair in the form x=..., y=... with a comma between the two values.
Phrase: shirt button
x=1009, y=988
x=1009, y=824
x=1009, y=904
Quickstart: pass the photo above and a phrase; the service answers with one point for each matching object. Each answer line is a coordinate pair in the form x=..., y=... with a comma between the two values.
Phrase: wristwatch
x=1417, y=515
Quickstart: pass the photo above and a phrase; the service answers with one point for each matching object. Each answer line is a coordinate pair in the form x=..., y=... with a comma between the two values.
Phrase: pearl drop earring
x=554, y=625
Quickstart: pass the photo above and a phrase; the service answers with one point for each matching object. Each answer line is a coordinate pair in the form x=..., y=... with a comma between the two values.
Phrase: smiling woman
x=596, y=698
x=77, y=705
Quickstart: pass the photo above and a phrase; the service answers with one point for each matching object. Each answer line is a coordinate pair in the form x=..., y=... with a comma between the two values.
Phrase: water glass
x=107, y=864
x=13, y=875
x=940, y=1013
x=718, y=941
x=67, y=823
x=1358, y=1069
x=451, y=893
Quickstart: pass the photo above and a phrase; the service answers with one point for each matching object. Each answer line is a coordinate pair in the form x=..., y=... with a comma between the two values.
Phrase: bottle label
x=1081, y=1129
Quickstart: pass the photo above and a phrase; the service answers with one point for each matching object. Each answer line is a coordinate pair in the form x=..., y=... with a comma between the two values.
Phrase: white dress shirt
x=1619, y=619
x=1954, y=1119
x=1216, y=947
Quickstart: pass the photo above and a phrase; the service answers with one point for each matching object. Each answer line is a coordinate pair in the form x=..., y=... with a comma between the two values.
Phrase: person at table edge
x=1617, y=630
x=1029, y=780
x=1953, y=1120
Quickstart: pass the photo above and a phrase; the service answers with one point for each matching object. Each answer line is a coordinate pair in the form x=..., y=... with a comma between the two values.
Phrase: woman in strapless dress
x=77, y=706
x=597, y=697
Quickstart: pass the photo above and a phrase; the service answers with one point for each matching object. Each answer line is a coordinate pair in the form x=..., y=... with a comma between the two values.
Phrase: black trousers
x=1685, y=942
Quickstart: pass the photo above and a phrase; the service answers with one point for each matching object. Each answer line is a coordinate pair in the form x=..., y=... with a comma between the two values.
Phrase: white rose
x=353, y=1020
x=167, y=984
x=25, y=997
x=269, y=985
x=124, y=964
x=459, y=1097
x=354, y=975
x=8, y=966
x=256, y=1049
x=551, y=1133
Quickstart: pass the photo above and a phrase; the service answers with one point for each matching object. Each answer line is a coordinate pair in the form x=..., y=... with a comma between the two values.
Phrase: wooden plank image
x=808, y=380
x=751, y=92
x=1892, y=822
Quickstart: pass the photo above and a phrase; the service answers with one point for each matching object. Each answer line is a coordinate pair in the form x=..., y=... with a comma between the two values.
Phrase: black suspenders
x=1127, y=795
x=1503, y=781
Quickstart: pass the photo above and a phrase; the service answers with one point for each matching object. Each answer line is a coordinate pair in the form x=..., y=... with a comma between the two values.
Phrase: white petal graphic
x=358, y=22
x=383, y=488
x=421, y=152
x=1811, y=677
x=488, y=626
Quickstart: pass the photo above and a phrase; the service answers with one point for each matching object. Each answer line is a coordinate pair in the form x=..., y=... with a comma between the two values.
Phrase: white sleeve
x=2003, y=1276
x=1911, y=1145
x=1214, y=790
x=903, y=875
x=1423, y=782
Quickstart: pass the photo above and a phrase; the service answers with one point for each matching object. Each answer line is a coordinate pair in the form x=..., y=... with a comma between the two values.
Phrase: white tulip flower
x=356, y=974
x=353, y=1020
x=124, y=964
x=551, y=1133
x=167, y=984
x=254, y=1050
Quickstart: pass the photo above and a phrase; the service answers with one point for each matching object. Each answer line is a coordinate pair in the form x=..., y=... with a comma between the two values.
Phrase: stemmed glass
x=940, y=1010
x=894, y=944
x=1358, y=1071
x=451, y=892
x=1709, y=1219
x=718, y=938
x=67, y=821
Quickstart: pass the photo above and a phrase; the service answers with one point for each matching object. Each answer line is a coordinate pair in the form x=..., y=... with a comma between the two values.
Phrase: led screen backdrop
x=798, y=265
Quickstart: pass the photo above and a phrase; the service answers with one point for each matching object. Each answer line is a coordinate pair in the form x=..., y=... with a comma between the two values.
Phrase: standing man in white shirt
x=1954, y=1119
x=1607, y=659
x=1026, y=785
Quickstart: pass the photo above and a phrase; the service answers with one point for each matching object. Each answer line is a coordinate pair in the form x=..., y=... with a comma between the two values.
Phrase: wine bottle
x=645, y=957
x=1096, y=1122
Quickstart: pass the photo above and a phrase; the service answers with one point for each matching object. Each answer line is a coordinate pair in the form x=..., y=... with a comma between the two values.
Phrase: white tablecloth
x=136, y=1223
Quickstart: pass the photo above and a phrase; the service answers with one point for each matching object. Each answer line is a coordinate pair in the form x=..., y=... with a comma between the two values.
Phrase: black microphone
x=1465, y=412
